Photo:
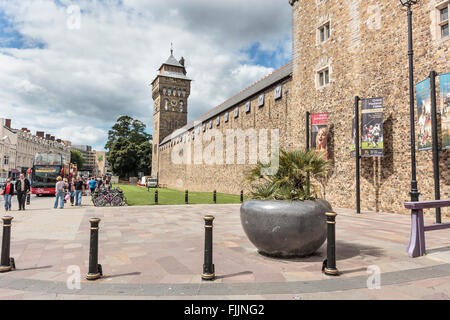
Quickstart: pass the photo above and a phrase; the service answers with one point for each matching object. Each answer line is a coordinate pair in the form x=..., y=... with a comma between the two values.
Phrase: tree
x=100, y=158
x=129, y=147
x=77, y=158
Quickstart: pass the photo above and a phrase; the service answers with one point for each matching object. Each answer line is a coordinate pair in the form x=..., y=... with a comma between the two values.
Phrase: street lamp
x=414, y=192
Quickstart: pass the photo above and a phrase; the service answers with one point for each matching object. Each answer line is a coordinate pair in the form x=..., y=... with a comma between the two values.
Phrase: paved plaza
x=156, y=252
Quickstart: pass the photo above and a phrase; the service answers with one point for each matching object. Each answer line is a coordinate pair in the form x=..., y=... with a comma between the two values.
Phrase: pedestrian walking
x=79, y=189
x=72, y=191
x=66, y=190
x=23, y=188
x=92, y=185
x=8, y=192
x=60, y=193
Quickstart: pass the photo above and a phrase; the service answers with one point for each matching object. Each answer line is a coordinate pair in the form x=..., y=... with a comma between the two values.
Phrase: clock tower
x=170, y=91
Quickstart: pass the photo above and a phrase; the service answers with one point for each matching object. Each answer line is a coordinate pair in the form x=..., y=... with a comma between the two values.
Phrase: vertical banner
x=424, y=138
x=319, y=132
x=353, y=143
x=372, y=128
x=444, y=86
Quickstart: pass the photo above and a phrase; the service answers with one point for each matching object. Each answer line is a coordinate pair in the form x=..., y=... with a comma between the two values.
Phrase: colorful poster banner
x=372, y=128
x=444, y=86
x=319, y=132
x=423, y=96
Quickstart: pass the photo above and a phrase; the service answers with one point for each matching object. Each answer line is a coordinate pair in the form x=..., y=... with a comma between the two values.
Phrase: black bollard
x=208, y=266
x=242, y=196
x=329, y=266
x=156, y=196
x=186, y=197
x=95, y=269
x=7, y=263
x=215, y=196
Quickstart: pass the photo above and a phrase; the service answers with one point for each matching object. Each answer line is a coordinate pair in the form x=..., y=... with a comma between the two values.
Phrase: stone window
x=323, y=33
x=323, y=77
x=225, y=117
x=236, y=112
x=443, y=20
x=440, y=21
x=6, y=160
x=218, y=121
x=247, y=107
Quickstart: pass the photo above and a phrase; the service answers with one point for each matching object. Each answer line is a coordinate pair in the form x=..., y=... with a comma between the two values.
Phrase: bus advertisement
x=46, y=168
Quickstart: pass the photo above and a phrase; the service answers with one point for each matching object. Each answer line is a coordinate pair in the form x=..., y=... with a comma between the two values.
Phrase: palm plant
x=294, y=179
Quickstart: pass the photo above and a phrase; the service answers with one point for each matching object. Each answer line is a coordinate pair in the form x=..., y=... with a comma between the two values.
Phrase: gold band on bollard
x=5, y=268
x=208, y=218
x=332, y=272
x=208, y=276
x=331, y=214
x=93, y=276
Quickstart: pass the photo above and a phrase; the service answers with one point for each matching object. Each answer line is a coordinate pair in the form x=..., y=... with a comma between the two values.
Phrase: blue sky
x=73, y=74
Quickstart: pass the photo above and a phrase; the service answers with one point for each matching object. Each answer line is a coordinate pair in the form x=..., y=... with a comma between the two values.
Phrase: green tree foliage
x=291, y=180
x=77, y=158
x=129, y=147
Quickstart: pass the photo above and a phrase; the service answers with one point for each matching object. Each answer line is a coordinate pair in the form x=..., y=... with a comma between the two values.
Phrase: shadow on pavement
x=122, y=275
x=234, y=275
x=344, y=250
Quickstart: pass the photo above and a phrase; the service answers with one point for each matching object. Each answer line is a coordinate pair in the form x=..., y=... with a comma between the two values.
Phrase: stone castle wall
x=228, y=178
x=367, y=57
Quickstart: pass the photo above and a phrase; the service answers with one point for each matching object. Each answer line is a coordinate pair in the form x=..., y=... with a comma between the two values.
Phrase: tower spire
x=171, y=49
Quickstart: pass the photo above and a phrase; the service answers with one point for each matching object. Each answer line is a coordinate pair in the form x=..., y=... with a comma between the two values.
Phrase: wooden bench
x=416, y=247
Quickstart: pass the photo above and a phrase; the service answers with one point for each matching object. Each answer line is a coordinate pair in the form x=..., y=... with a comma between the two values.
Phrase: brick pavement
x=157, y=253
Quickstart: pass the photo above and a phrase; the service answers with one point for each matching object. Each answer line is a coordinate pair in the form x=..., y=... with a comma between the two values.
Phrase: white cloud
x=84, y=79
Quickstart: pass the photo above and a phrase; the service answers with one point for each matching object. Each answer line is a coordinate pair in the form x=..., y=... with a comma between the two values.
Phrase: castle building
x=170, y=91
x=340, y=50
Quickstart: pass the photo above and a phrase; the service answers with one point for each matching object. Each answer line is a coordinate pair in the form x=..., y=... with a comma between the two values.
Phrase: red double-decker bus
x=46, y=168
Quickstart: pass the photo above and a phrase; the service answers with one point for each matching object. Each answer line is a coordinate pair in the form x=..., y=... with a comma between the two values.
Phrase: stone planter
x=285, y=228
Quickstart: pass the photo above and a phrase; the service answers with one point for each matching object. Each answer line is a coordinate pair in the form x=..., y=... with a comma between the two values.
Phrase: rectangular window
x=324, y=32
x=444, y=21
x=324, y=77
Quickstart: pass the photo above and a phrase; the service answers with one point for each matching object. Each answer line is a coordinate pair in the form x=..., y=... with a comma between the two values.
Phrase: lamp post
x=414, y=192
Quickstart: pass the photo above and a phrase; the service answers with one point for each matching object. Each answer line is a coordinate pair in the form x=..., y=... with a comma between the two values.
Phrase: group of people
x=23, y=189
x=65, y=190
x=74, y=189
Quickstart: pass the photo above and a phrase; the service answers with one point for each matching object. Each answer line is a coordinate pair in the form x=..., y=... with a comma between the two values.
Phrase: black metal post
x=242, y=196
x=156, y=196
x=330, y=263
x=208, y=266
x=307, y=130
x=95, y=269
x=215, y=196
x=308, y=139
x=414, y=191
x=437, y=194
x=186, y=197
x=7, y=263
x=358, y=157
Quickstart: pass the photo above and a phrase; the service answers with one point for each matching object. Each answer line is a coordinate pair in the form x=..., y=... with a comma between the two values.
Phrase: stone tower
x=170, y=91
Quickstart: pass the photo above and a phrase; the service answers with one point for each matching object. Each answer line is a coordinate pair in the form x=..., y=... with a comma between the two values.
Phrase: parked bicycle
x=109, y=198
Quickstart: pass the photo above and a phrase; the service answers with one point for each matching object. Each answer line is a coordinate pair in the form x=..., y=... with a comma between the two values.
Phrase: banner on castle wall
x=319, y=132
x=444, y=87
x=424, y=135
x=372, y=144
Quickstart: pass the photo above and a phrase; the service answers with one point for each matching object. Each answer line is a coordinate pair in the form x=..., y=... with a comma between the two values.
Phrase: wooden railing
x=416, y=247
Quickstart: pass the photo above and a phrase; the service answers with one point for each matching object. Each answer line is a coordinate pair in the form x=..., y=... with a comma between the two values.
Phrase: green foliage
x=100, y=158
x=129, y=147
x=291, y=180
x=137, y=196
x=77, y=158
